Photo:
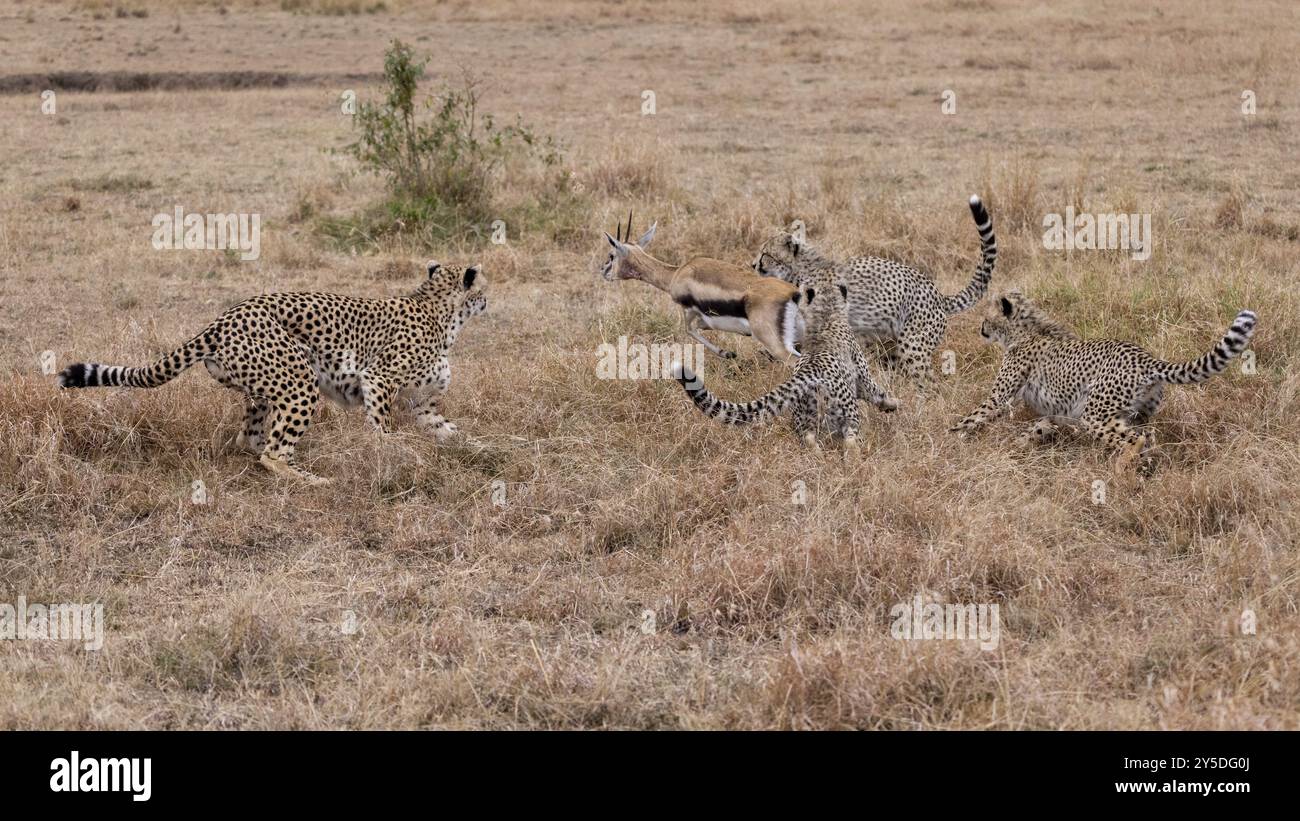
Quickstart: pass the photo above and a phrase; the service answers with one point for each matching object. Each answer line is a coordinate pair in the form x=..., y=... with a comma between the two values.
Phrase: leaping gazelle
x=714, y=295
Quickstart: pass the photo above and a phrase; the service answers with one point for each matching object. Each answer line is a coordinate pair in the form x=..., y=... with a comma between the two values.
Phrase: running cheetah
x=284, y=350
x=1103, y=386
x=831, y=374
x=889, y=303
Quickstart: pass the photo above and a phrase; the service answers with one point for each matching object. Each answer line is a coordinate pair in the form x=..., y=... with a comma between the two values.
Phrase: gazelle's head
x=622, y=252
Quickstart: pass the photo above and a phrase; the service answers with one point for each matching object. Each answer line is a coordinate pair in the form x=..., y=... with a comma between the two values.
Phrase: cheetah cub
x=1103, y=386
x=830, y=376
x=890, y=304
x=284, y=350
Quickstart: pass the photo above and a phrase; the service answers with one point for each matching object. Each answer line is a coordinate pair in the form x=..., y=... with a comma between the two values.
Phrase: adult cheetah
x=284, y=350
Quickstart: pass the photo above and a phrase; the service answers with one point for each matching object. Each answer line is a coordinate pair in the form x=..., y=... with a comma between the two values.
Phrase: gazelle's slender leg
x=692, y=318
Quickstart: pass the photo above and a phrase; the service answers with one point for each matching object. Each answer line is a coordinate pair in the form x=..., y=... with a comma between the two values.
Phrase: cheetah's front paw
x=852, y=450
x=281, y=467
x=965, y=427
x=446, y=432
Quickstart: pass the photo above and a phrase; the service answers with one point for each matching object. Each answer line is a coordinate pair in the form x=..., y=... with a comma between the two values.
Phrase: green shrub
x=441, y=169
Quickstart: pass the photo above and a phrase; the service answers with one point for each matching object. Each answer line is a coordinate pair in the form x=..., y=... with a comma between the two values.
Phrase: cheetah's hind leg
x=252, y=437
x=805, y=419
x=1127, y=443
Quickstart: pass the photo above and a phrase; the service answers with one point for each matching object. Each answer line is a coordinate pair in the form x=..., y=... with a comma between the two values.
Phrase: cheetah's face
x=473, y=291
x=458, y=285
x=1009, y=312
x=777, y=257
x=476, y=299
x=820, y=300
x=996, y=329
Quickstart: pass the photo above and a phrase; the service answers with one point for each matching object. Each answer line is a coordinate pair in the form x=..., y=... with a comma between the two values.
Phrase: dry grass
x=619, y=497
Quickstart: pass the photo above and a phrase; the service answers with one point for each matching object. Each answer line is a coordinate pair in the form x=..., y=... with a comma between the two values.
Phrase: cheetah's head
x=462, y=287
x=785, y=255
x=473, y=293
x=821, y=298
x=1013, y=315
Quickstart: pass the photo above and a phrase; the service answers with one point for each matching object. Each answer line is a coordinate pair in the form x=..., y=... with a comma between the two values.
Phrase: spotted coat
x=1103, y=386
x=889, y=304
x=830, y=377
x=282, y=351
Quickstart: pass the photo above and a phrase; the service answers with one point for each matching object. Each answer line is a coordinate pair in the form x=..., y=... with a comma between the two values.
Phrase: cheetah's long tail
x=979, y=283
x=1202, y=368
x=766, y=407
x=94, y=375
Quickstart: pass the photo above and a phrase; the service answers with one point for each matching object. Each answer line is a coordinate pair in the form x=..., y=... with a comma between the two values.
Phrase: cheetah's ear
x=1007, y=307
x=433, y=267
x=811, y=292
x=844, y=291
x=471, y=273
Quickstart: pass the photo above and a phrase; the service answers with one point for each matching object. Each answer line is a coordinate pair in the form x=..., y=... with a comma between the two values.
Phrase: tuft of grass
x=113, y=184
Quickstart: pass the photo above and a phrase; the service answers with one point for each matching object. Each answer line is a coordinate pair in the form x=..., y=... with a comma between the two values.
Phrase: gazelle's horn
x=629, y=225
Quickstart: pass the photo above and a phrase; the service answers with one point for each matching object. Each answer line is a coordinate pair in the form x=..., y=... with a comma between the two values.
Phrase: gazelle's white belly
x=730, y=324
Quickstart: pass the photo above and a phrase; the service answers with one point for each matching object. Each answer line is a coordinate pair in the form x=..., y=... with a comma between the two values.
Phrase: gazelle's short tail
x=760, y=410
x=979, y=283
x=94, y=375
x=1202, y=368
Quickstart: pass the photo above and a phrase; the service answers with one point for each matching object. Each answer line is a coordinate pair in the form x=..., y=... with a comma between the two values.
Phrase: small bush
x=440, y=170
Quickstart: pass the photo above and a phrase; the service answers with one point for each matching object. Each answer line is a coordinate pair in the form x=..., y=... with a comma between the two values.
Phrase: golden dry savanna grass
x=619, y=496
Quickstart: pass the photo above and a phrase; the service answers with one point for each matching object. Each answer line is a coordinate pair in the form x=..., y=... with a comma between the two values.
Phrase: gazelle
x=714, y=295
